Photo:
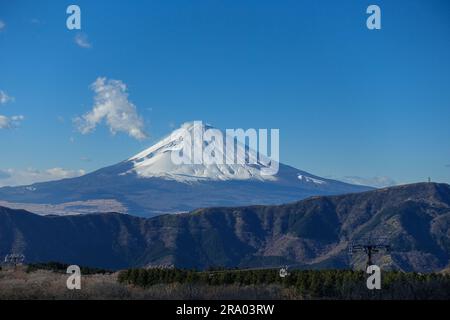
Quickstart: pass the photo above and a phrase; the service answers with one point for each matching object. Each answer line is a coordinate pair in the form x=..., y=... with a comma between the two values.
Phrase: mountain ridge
x=312, y=233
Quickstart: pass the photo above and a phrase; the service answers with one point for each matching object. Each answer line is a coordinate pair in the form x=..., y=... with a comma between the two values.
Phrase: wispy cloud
x=17, y=177
x=2, y=25
x=8, y=122
x=111, y=104
x=4, y=122
x=5, y=98
x=82, y=41
x=377, y=182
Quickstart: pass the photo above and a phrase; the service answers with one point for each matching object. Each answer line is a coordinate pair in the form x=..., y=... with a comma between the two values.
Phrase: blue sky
x=350, y=103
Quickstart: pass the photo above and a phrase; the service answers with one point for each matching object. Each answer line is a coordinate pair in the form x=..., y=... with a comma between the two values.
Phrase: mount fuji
x=150, y=184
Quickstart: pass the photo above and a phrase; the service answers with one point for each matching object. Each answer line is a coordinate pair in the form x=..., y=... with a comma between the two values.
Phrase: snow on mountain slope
x=307, y=179
x=156, y=161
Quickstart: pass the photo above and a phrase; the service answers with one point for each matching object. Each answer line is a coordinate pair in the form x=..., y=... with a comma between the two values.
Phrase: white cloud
x=2, y=25
x=8, y=122
x=4, y=122
x=17, y=118
x=16, y=177
x=5, y=98
x=377, y=182
x=112, y=105
x=82, y=41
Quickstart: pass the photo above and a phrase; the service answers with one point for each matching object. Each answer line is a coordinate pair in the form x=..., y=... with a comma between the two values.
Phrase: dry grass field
x=17, y=284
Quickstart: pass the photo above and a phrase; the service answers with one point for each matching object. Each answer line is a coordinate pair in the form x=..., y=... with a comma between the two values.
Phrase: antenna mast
x=369, y=246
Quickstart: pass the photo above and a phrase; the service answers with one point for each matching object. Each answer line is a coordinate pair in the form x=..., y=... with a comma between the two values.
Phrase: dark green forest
x=312, y=284
x=62, y=268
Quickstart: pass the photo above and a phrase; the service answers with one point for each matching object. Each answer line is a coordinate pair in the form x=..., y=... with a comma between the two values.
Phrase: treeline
x=62, y=268
x=312, y=284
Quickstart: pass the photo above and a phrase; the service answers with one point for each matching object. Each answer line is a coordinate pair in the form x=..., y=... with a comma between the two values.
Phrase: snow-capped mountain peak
x=157, y=160
x=151, y=183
